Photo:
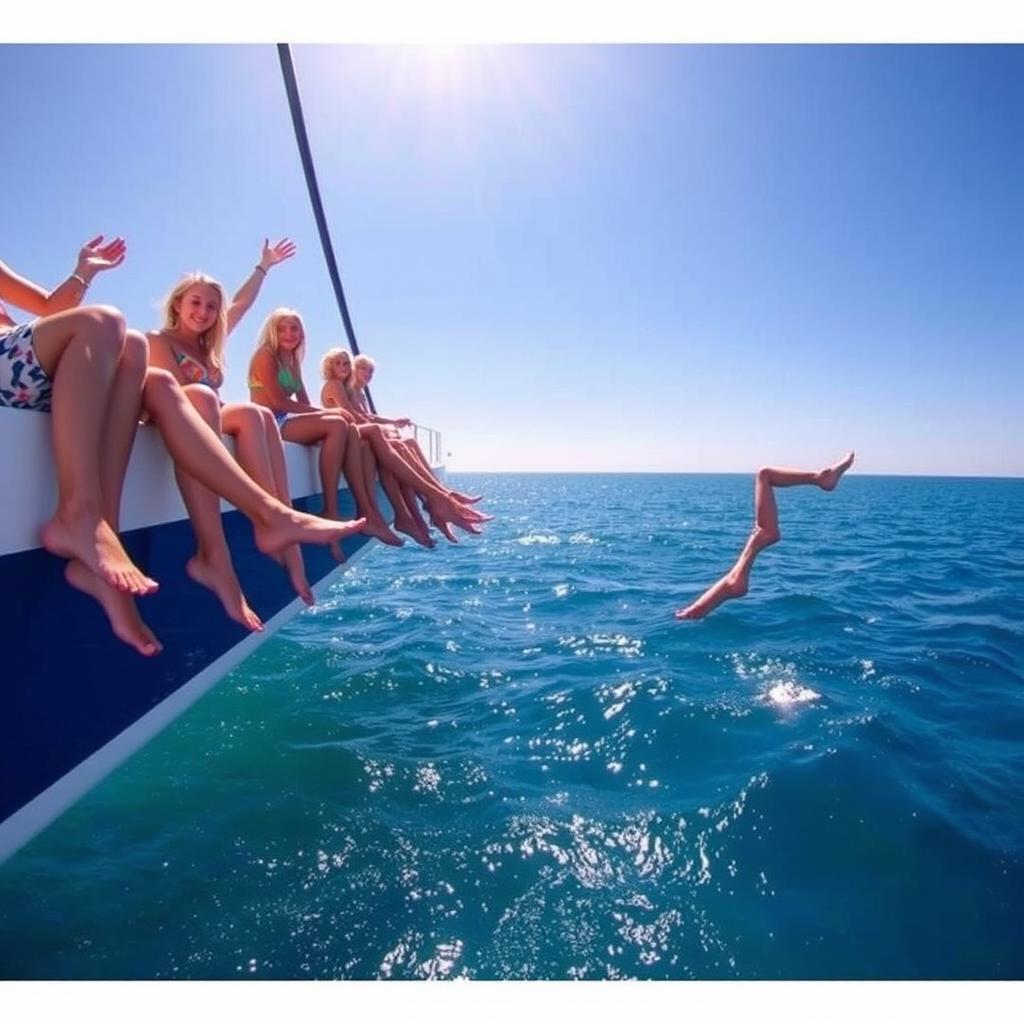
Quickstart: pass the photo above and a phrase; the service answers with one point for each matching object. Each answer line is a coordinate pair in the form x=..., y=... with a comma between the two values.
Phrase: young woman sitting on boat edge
x=445, y=508
x=336, y=369
x=353, y=391
x=275, y=384
x=190, y=344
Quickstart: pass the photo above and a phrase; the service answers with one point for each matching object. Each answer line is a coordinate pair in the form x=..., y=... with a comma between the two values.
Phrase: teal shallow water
x=506, y=760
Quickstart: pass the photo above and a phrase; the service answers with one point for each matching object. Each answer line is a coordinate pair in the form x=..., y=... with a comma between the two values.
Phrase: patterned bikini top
x=196, y=372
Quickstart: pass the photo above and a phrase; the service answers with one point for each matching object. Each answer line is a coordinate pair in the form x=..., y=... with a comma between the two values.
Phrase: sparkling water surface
x=506, y=759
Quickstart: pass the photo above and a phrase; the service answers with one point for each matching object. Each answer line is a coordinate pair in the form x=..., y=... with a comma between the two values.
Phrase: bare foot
x=291, y=559
x=91, y=541
x=471, y=514
x=419, y=531
x=441, y=524
x=221, y=579
x=376, y=527
x=337, y=553
x=120, y=608
x=281, y=525
x=828, y=478
x=733, y=584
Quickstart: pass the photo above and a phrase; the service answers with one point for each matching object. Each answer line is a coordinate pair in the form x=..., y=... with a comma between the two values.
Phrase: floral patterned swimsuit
x=194, y=371
x=24, y=384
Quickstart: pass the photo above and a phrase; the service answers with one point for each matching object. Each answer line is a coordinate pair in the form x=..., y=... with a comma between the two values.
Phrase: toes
x=446, y=530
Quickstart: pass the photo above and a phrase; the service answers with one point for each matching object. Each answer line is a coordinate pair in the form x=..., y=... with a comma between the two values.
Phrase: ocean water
x=506, y=759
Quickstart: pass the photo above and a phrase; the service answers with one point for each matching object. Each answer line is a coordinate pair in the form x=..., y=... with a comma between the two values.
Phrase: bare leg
x=211, y=565
x=443, y=509
x=420, y=530
x=125, y=402
x=736, y=581
x=341, y=450
x=244, y=422
x=407, y=516
x=79, y=350
x=364, y=488
x=408, y=450
x=199, y=451
x=415, y=452
x=332, y=436
x=291, y=556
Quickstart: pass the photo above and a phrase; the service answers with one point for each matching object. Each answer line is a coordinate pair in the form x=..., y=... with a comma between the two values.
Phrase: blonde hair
x=329, y=356
x=267, y=337
x=212, y=341
x=362, y=360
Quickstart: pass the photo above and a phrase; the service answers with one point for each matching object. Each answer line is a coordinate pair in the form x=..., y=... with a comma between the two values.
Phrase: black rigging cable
x=298, y=122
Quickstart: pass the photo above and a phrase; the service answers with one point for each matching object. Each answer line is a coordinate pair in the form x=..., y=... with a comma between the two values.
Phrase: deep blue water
x=507, y=760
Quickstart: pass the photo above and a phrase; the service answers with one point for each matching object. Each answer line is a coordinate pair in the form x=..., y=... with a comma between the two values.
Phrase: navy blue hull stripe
x=69, y=686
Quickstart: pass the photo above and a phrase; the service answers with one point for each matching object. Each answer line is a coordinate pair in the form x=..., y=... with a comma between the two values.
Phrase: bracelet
x=81, y=280
x=261, y=270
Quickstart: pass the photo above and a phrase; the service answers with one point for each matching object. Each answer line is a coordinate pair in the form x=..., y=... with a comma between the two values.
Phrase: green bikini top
x=285, y=378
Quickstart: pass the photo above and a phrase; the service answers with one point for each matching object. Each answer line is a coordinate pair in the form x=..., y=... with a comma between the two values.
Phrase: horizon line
x=724, y=472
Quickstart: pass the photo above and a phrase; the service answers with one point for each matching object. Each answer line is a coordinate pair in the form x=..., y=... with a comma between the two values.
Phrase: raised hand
x=95, y=256
x=277, y=253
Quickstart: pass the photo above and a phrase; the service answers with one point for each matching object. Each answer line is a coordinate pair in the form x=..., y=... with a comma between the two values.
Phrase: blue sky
x=578, y=257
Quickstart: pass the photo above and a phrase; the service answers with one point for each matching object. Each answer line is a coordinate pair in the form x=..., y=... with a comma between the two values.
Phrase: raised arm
x=246, y=295
x=263, y=368
x=93, y=258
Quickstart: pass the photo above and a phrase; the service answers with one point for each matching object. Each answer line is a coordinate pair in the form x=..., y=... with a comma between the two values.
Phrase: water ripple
x=507, y=760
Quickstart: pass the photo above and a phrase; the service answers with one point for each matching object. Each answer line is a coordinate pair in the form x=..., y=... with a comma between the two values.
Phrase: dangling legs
x=736, y=581
x=332, y=436
x=211, y=565
x=79, y=350
x=443, y=509
x=257, y=447
x=341, y=450
x=199, y=452
x=421, y=477
x=122, y=420
x=291, y=556
x=408, y=517
x=407, y=513
x=364, y=488
x=415, y=455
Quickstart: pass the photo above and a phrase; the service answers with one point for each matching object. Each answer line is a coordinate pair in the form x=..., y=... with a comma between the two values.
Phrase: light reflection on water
x=507, y=760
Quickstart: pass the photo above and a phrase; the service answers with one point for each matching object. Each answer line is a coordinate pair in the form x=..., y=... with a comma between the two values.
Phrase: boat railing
x=429, y=441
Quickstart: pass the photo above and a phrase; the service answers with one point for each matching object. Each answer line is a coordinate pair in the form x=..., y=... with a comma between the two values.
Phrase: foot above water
x=829, y=477
x=419, y=532
x=221, y=579
x=377, y=527
x=284, y=526
x=124, y=617
x=733, y=584
x=91, y=541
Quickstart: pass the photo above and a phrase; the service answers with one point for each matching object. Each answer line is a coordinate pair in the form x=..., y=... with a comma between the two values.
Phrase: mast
x=302, y=139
